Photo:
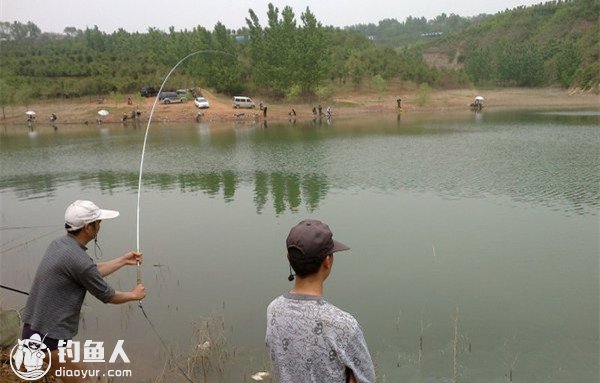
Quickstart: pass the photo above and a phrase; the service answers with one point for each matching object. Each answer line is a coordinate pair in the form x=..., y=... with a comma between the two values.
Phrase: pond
x=474, y=238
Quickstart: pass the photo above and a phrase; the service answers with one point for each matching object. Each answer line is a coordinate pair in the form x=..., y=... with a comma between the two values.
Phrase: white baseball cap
x=80, y=213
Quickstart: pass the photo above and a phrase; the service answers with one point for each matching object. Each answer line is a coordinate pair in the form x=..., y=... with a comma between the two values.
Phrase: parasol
x=103, y=112
x=479, y=98
x=30, y=113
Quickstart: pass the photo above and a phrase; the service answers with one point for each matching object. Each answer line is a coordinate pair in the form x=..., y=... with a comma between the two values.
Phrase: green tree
x=356, y=68
x=223, y=68
x=94, y=39
x=6, y=96
x=284, y=54
x=478, y=65
x=72, y=32
x=312, y=54
x=568, y=60
x=258, y=49
x=23, y=94
x=520, y=65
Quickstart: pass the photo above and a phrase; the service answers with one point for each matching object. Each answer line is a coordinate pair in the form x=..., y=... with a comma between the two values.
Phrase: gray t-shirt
x=64, y=275
x=311, y=340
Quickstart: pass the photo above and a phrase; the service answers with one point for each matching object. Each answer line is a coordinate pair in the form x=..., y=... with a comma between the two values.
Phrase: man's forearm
x=122, y=297
x=138, y=293
x=109, y=267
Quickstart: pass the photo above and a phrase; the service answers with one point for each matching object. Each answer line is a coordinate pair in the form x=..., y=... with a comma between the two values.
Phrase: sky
x=139, y=15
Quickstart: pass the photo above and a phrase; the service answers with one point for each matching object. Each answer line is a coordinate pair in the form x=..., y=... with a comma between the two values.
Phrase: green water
x=481, y=230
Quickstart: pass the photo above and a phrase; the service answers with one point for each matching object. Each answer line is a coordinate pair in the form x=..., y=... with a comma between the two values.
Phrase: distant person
x=399, y=102
x=265, y=111
x=309, y=339
x=320, y=108
x=66, y=273
x=53, y=119
x=314, y=110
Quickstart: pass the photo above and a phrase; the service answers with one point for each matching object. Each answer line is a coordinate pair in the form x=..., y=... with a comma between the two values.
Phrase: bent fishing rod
x=137, y=236
x=139, y=273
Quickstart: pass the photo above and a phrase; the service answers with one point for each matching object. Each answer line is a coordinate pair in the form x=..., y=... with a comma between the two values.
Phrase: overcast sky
x=139, y=15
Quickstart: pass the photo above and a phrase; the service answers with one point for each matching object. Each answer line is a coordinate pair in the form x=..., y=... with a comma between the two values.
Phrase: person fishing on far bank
x=66, y=273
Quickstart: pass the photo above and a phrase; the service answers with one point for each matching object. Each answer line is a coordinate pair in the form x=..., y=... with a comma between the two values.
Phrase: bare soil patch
x=346, y=104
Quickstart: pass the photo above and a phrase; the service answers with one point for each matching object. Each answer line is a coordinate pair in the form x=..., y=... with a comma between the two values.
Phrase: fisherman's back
x=311, y=340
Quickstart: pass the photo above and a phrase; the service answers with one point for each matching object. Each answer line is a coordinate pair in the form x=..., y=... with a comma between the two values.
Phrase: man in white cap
x=67, y=272
x=309, y=339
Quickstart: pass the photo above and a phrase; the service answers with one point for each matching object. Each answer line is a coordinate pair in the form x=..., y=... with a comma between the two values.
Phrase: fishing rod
x=148, y=129
x=14, y=290
x=139, y=273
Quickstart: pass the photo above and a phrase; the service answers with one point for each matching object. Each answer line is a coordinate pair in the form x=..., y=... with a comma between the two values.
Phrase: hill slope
x=555, y=43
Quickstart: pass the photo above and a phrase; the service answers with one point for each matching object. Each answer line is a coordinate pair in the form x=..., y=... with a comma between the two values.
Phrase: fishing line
x=23, y=227
x=5, y=250
x=139, y=275
x=164, y=344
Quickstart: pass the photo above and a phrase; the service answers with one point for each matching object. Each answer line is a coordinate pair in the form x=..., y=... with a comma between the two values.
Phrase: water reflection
x=531, y=158
x=286, y=191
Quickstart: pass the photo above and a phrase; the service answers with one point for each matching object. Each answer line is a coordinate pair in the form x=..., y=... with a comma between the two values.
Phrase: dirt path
x=77, y=111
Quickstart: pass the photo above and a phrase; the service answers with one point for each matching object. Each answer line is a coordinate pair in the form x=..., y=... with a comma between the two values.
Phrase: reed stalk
x=455, y=349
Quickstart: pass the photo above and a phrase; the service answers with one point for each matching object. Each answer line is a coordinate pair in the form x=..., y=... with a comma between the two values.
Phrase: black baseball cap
x=313, y=239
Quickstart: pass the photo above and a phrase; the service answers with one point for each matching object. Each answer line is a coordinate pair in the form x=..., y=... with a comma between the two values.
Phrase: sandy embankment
x=77, y=111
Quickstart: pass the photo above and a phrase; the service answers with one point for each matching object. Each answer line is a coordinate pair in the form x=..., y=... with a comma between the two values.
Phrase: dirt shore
x=347, y=104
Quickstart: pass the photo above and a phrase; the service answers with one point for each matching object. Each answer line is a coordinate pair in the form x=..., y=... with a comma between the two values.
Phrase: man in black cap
x=309, y=339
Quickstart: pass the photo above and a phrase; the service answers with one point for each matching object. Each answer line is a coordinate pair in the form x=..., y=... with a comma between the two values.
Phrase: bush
x=423, y=95
x=293, y=92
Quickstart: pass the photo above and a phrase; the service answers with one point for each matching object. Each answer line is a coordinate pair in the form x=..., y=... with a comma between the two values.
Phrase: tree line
x=415, y=30
x=292, y=56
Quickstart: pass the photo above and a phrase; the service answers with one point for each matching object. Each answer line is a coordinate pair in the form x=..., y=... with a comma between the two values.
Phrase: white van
x=243, y=102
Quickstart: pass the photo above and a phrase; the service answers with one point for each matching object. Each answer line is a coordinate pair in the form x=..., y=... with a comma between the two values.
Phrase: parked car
x=243, y=102
x=170, y=97
x=148, y=91
x=166, y=94
x=173, y=100
x=201, y=103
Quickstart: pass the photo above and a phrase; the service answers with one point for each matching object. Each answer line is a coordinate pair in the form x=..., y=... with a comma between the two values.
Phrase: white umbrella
x=103, y=112
x=30, y=113
x=479, y=98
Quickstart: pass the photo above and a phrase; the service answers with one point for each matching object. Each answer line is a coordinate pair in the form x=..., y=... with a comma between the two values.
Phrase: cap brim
x=338, y=246
x=108, y=214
